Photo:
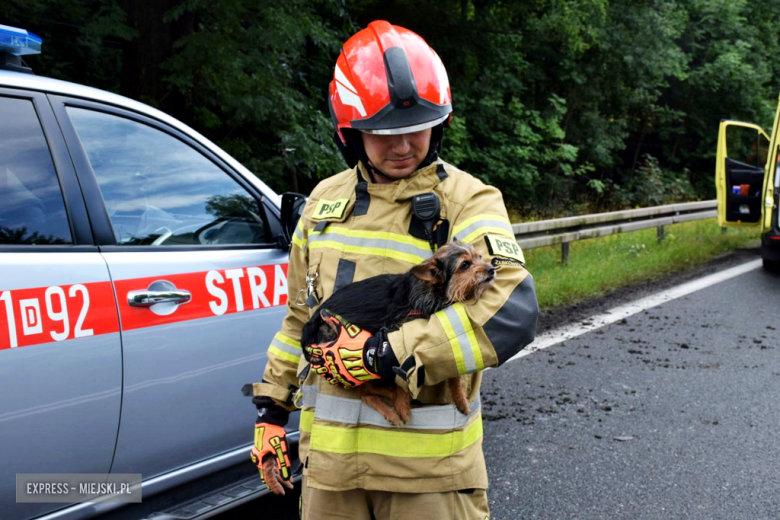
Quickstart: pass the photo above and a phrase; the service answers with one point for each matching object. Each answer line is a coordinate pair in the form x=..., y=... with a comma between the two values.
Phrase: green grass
x=599, y=265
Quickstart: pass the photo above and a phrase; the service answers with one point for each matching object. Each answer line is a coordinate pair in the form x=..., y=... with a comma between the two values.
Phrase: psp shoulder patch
x=505, y=247
x=329, y=209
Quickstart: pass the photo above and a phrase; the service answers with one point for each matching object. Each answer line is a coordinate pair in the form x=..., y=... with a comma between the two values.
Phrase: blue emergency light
x=15, y=43
x=18, y=41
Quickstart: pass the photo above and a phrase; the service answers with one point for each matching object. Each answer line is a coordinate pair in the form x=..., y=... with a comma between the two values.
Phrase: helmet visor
x=405, y=129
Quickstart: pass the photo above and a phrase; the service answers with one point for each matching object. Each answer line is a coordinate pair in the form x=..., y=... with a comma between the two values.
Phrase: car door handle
x=161, y=291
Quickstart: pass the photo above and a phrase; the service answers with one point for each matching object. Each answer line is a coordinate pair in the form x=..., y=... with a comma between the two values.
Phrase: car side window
x=32, y=210
x=160, y=191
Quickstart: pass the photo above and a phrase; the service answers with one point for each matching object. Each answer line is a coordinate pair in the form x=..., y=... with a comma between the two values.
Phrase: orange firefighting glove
x=354, y=357
x=269, y=453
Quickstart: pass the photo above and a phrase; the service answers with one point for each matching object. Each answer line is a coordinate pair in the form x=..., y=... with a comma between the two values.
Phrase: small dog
x=455, y=273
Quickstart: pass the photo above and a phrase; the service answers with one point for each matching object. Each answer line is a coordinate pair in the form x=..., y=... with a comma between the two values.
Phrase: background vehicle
x=748, y=182
x=142, y=276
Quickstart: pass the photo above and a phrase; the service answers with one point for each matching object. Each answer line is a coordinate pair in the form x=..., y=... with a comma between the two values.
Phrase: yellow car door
x=740, y=175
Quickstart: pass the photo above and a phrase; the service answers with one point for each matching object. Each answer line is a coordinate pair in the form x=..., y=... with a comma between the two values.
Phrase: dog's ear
x=456, y=241
x=427, y=271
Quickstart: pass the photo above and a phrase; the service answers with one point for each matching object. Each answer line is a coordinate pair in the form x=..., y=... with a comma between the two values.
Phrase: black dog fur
x=388, y=300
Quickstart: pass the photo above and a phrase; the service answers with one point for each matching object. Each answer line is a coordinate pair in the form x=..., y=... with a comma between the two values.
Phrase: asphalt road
x=672, y=414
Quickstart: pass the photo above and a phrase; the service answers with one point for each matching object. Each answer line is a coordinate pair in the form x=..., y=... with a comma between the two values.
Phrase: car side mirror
x=292, y=209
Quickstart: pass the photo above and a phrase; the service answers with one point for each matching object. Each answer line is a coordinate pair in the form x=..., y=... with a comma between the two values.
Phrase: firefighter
x=390, y=101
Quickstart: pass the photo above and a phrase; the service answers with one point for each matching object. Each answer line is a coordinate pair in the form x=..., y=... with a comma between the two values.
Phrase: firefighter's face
x=397, y=155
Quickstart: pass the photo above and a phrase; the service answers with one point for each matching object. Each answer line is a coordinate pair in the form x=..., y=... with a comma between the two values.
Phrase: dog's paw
x=464, y=409
x=396, y=421
x=393, y=418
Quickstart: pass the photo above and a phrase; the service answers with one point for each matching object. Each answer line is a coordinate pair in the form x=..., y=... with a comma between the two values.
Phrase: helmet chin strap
x=360, y=151
x=374, y=171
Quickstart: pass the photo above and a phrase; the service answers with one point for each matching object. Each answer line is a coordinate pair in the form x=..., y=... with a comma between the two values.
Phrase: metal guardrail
x=570, y=229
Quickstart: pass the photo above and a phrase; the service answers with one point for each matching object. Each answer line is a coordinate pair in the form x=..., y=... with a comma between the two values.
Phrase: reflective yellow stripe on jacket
x=460, y=332
x=335, y=439
x=483, y=224
x=286, y=348
x=373, y=243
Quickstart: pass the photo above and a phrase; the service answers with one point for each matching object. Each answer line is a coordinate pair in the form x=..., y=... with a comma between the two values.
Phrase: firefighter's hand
x=353, y=357
x=269, y=454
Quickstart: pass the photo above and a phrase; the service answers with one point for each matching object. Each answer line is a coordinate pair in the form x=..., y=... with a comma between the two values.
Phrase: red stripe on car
x=57, y=313
x=214, y=293
x=37, y=315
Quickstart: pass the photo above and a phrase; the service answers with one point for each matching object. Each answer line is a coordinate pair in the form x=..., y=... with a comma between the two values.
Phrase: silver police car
x=142, y=275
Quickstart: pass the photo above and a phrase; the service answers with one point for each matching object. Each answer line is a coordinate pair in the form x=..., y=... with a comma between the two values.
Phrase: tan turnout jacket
x=352, y=229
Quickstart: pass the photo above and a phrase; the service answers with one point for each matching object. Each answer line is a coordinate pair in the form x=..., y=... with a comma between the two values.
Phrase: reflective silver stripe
x=377, y=243
x=285, y=347
x=309, y=396
x=462, y=234
x=298, y=235
x=463, y=340
x=352, y=411
x=299, y=229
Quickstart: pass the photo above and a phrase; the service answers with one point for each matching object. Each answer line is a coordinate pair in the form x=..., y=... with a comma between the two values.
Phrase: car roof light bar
x=15, y=43
x=18, y=41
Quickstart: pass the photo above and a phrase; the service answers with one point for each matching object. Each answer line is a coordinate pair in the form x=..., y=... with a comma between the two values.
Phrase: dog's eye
x=465, y=265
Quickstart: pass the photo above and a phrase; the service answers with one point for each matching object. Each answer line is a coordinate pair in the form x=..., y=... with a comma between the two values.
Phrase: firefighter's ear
x=428, y=271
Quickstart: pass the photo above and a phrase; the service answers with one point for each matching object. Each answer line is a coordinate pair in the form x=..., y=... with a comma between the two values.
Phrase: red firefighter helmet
x=388, y=81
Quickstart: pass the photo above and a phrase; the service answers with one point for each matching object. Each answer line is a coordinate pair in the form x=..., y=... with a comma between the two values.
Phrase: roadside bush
x=652, y=185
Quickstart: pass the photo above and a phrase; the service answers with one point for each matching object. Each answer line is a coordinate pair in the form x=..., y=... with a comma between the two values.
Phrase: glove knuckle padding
x=342, y=361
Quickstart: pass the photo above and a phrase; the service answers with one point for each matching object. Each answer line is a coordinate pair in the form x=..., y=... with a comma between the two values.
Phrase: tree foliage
x=557, y=102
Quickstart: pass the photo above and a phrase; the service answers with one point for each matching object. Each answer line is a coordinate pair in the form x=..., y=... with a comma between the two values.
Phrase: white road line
x=553, y=337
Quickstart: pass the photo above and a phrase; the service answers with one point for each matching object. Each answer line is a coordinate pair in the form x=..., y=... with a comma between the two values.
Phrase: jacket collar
x=418, y=182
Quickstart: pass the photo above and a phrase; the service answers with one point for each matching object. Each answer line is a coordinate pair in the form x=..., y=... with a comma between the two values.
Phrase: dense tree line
x=565, y=105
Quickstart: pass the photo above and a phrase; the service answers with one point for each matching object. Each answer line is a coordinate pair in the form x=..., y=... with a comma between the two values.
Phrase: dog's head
x=460, y=269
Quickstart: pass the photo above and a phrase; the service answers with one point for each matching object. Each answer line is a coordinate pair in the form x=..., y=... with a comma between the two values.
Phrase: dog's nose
x=491, y=271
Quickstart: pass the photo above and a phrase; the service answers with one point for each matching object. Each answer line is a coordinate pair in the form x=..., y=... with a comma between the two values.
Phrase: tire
x=772, y=265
